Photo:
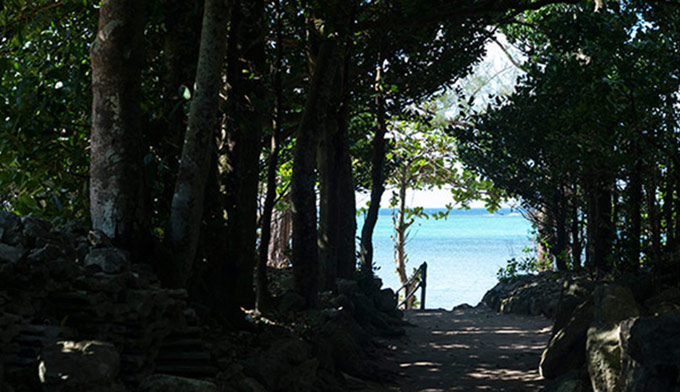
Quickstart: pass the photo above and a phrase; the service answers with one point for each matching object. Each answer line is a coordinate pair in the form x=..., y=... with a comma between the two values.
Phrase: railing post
x=423, y=285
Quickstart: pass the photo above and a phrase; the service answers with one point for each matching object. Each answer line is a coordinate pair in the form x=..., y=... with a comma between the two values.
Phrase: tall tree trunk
x=305, y=249
x=669, y=192
x=247, y=109
x=346, y=203
x=576, y=247
x=602, y=221
x=675, y=174
x=327, y=167
x=187, y=202
x=654, y=220
x=182, y=20
x=377, y=178
x=561, y=239
x=634, y=190
x=117, y=186
x=262, y=295
x=282, y=230
x=337, y=223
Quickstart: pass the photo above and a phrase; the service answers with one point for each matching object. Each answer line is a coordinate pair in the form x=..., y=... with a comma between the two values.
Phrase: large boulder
x=385, y=300
x=527, y=294
x=80, y=366
x=10, y=228
x=651, y=354
x=11, y=254
x=163, y=383
x=566, y=349
x=575, y=291
x=666, y=301
x=613, y=304
x=109, y=260
x=286, y=365
x=604, y=357
x=572, y=381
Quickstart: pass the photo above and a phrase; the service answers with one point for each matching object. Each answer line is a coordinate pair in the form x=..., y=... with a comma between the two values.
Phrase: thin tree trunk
x=576, y=248
x=654, y=218
x=305, y=249
x=634, y=190
x=377, y=178
x=401, y=227
x=560, y=229
x=669, y=192
x=187, y=202
x=117, y=186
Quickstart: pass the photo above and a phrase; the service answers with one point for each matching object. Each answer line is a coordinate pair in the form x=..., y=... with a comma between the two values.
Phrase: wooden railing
x=421, y=276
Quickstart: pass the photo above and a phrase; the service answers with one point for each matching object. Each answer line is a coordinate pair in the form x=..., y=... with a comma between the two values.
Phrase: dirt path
x=470, y=350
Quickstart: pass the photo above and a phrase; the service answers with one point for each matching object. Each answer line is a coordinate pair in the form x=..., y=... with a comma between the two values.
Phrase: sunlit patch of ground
x=471, y=350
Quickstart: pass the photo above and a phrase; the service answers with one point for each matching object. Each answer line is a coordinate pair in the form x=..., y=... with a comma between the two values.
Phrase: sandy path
x=470, y=350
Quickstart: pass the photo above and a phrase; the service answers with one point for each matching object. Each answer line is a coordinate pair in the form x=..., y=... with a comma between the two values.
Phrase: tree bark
x=377, y=178
x=187, y=202
x=337, y=223
x=634, y=190
x=305, y=249
x=117, y=186
x=247, y=109
x=262, y=295
x=560, y=246
x=576, y=247
x=401, y=227
x=182, y=21
x=600, y=219
x=654, y=221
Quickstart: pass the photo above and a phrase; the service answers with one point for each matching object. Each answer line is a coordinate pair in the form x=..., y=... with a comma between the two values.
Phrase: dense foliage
x=590, y=138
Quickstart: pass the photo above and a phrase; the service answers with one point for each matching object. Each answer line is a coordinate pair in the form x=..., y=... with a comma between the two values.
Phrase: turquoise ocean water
x=463, y=252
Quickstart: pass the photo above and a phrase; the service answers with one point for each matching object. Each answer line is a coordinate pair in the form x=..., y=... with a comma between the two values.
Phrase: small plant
x=524, y=265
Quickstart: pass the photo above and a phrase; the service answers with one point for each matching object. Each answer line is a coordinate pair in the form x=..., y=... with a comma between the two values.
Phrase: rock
x=79, y=366
x=667, y=301
x=386, y=300
x=463, y=306
x=603, y=353
x=342, y=302
x=572, y=381
x=10, y=228
x=301, y=378
x=566, y=349
x=36, y=231
x=163, y=383
x=278, y=363
x=575, y=291
x=614, y=303
x=527, y=294
x=337, y=348
x=109, y=260
x=11, y=254
x=651, y=354
x=347, y=287
x=98, y=239
x=47, y=252
x=291, y=302
x=250, y=384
